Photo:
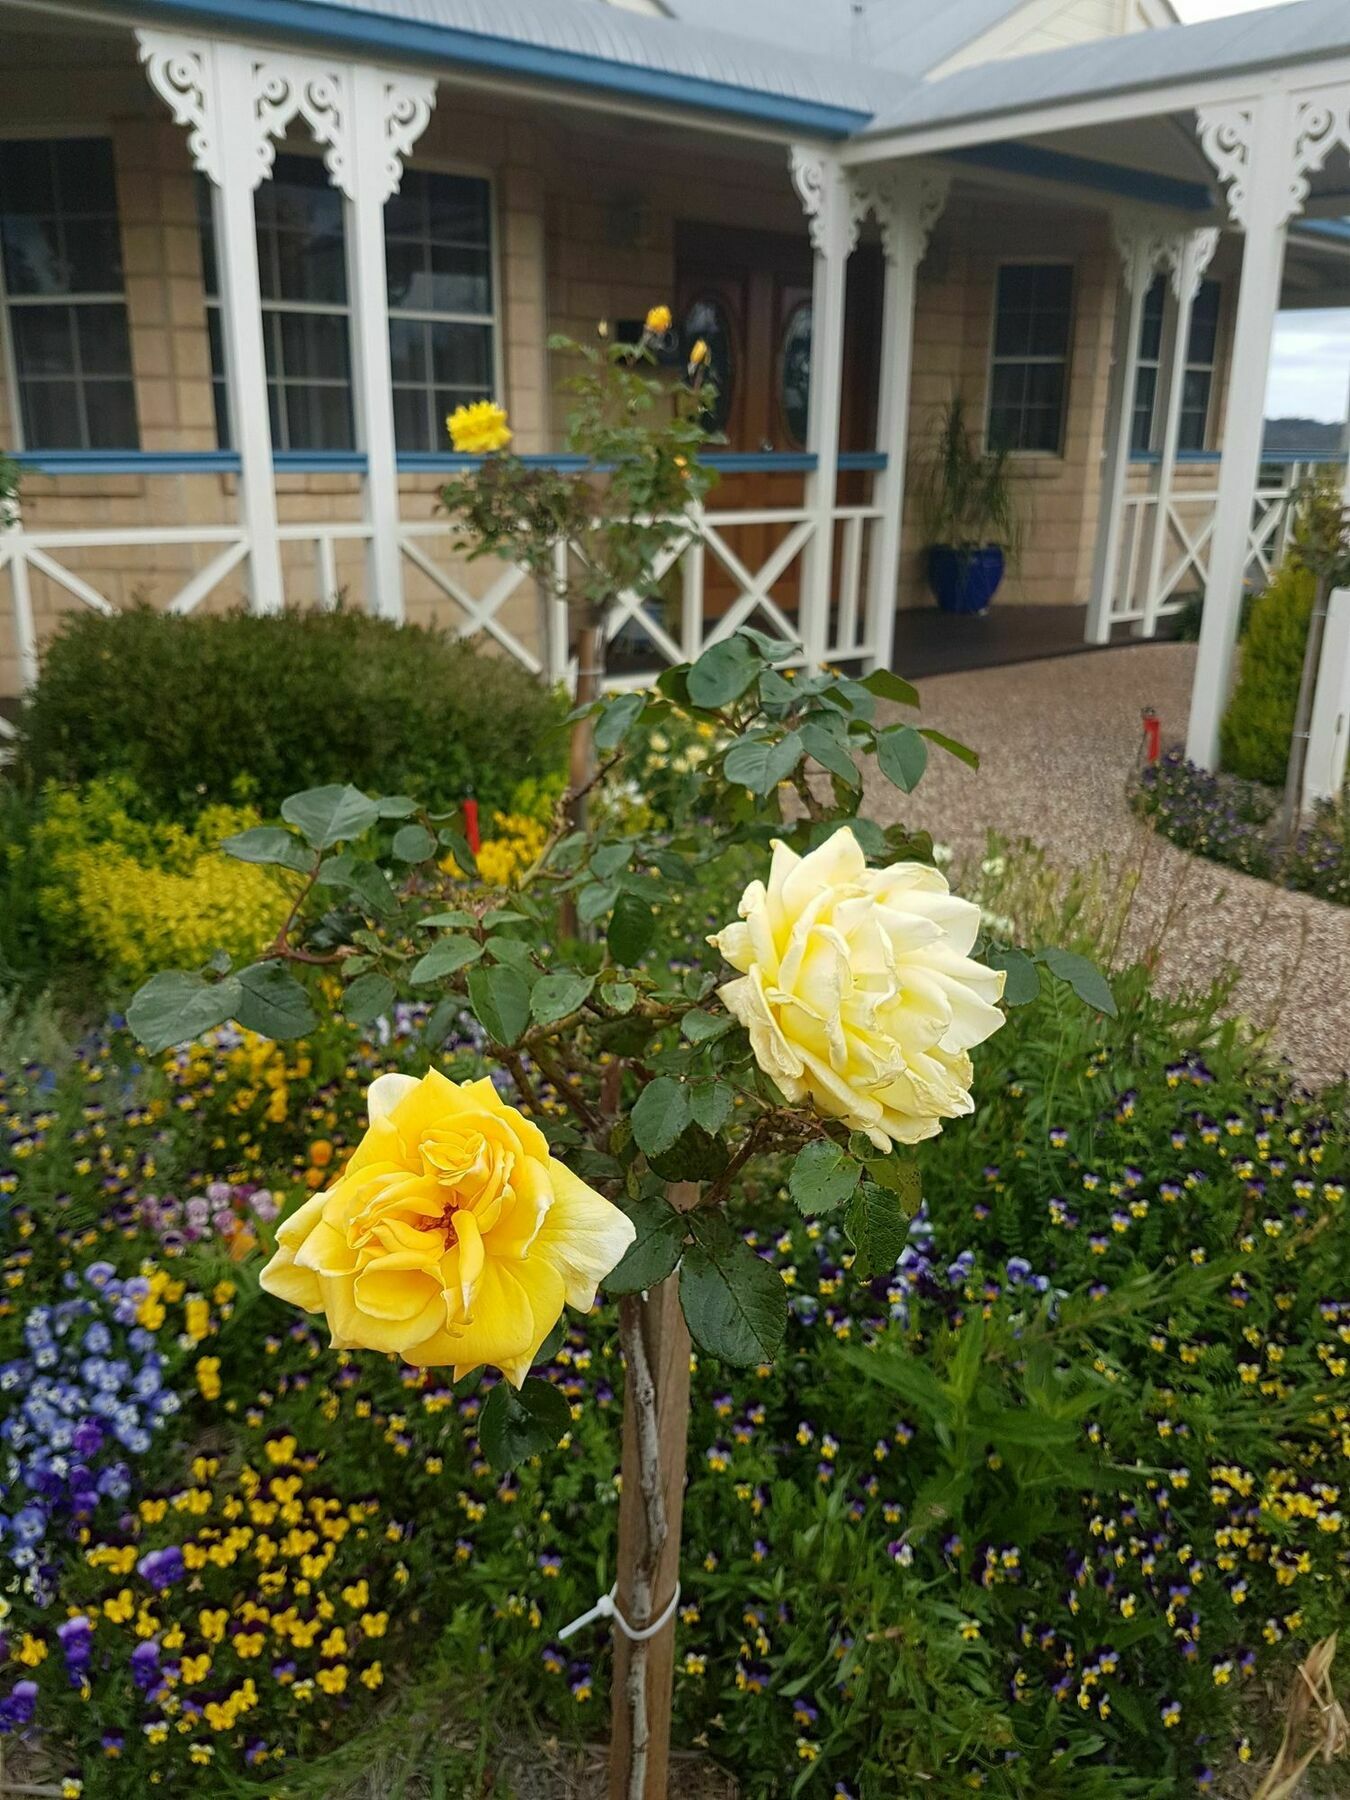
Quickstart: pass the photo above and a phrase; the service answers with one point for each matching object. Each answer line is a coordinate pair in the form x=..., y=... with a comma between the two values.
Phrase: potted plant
x=969, y=516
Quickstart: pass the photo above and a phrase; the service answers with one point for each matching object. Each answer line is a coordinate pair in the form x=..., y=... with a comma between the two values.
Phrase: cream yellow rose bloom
x=858, y=989
x=452, y=1236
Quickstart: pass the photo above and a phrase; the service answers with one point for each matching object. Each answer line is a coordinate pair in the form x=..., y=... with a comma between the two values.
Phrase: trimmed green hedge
x=238, y=707
x=1259, y=723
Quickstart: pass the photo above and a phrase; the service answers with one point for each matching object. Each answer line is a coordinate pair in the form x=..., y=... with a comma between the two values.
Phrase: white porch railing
x=738, y=566
x=1182, y=567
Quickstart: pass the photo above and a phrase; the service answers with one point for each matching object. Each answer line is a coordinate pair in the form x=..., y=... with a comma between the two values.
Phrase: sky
x=1310, y=369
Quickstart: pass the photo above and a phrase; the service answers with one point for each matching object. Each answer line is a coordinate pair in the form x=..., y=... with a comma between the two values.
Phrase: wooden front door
x=748, y=295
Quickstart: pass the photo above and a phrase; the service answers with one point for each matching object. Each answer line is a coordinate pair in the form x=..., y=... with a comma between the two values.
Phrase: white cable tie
x=605, y=1608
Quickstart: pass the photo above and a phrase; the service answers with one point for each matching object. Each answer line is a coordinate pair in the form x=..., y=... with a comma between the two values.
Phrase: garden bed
x=1231, y=821
x=1132, y=1266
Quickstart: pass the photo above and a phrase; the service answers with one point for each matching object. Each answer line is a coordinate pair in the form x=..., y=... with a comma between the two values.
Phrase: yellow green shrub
x=132, y=895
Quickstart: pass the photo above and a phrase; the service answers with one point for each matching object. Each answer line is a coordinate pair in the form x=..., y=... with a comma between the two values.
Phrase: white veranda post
x=388, y=115
x=1189, y=260
x=209, y=87
x=238, y=101
x=1264, y=150
x=823, y=188
x=1141, y=243
x=907, y=204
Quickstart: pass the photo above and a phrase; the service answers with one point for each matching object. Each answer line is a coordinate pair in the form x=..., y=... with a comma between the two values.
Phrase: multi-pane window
x=1033, y=313
x=302, y=281
x=1197, y=383
x=66, y=312
x=439, y=264
x=438, y=253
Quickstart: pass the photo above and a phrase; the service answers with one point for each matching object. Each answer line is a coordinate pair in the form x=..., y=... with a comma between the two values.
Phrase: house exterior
x=255, y=250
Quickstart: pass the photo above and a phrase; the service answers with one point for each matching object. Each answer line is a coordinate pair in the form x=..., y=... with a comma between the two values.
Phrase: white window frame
x=493, y=319
x=1190, y=367
x=1028, y=262
x=1210, y=368
x=95, y=131
x=433, y=165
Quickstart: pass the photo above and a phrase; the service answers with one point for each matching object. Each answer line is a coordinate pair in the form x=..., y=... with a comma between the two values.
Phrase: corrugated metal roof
x=609, y=37
x=1275, y=35
x=910, y=36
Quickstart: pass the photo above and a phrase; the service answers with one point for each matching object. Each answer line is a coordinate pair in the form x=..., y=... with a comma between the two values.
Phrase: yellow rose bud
x=478, y=430
x=858, y=990
x=659, y=321
x=699, y=355
x=453, y=1237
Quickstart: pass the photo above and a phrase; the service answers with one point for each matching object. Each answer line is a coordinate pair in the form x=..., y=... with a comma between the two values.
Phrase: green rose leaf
x=413, y=844
x=445, y=958
x=877, y=1227
x=269, y=844
x=734, y=1304
x=696, y=1155
x=458, y=846
x=174, y=1007
x=632, y=929
x=887, y=686
x=554, y=996
x=619, y=996
x=822, y=1177
x=395, y=806
x=330, y=815
x=272, y=1002
x=456, y=917
x=772, y=649
x=830, y=754
x=953, y=746
x=614, y=722
x=723, y=673
x=654, y=1252
x=711, y=1104
x=361, y=877
x=513, y=1427
x=901, y=1176
x=368, y=997
x=701, y=1027
x=1083, y=976
x=1024, y=981
x=903, y=756
x=758, y=765
x=660, y=1115
x=500, y=998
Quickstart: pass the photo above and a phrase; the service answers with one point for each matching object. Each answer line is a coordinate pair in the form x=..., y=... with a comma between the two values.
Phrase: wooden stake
x=655, y=1447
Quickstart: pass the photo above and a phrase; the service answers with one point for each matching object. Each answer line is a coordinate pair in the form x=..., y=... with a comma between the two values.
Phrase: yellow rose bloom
x=479, y=429
x=858, y=989
x=452, y=1237
x=659, y=320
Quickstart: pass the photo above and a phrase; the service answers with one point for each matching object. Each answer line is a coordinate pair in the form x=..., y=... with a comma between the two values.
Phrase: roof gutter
x=378, y=34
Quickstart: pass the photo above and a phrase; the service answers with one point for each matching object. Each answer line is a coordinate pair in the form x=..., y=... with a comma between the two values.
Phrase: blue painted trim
x=1339, y=229
x=726, y=462
x=311, y=21
x=128, y=462
x=761, y=462
x=319, y=462
x=1267, y=456
x=1086, y=171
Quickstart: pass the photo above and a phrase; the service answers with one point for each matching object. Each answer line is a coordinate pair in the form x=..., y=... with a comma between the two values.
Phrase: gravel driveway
x=1059, y=740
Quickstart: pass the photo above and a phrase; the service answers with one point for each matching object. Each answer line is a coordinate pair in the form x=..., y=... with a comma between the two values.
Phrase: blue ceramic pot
x=965, y=581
